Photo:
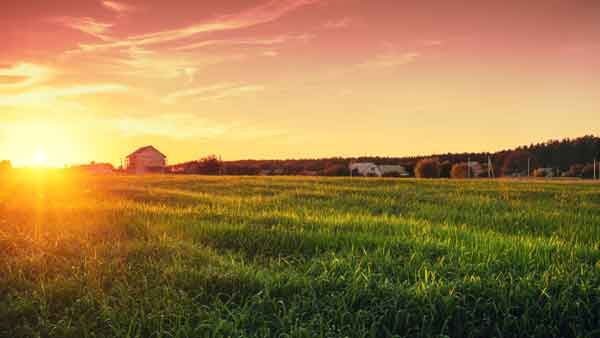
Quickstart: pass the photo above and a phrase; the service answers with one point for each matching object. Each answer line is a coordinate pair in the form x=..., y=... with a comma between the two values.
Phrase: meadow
x=199, y=256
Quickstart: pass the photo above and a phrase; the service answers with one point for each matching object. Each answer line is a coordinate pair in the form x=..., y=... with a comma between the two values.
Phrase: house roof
x=146, y=148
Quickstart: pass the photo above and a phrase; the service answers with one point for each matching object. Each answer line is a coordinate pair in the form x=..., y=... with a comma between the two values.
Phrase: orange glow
x=40, y=158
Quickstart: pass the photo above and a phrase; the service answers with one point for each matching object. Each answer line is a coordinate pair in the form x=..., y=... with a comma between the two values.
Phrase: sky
x=93, y=80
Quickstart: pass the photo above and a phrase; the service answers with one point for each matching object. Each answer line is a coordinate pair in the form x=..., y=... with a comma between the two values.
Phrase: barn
x=146, y=160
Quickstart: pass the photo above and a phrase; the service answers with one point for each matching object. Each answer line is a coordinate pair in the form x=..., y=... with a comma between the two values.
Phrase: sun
x=40, y=158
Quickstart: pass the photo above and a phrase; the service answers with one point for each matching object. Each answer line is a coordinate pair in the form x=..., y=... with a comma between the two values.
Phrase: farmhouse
x=365, y=169
x=145, y=160
x=372, y=169
x=393, y=170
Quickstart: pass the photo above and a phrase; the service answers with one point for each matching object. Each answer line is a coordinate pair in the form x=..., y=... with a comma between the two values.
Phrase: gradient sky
x=93, y=80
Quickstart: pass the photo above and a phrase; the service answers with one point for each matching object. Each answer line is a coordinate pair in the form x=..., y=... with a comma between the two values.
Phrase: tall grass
x=193, y=256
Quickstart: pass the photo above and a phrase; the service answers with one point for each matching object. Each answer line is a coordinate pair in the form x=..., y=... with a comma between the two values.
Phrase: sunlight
x=40, y=159
x=41, y=144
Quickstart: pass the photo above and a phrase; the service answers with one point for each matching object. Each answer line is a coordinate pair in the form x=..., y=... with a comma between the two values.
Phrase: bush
x=460, y=170
x=445, y=169
x=336, y=170
x=428, y=168
x=576, y=170
x=588, y=171
x=540, y=173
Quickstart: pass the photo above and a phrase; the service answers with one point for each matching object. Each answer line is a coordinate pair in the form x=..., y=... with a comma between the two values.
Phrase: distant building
x=365, y=169
x=393, y=170
x=146, y=160
x=475, y=168
x=374, y=170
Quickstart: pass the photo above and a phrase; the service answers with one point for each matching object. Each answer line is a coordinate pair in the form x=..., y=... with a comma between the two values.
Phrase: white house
x=393, y=170
x=371, y=169
x=146, y=160
x=365, y=169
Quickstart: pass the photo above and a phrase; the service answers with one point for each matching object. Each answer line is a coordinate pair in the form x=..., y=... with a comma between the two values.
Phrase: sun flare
x=39, y=158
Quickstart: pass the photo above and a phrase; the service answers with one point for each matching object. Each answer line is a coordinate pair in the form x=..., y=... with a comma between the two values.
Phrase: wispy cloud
x=177, y=126
x=213, y=92
x=264, y=13
x=23, y=75
x=250, y=42
x=145, y=64
x=185, y=126
x=389, y=60
x=116, y=6
x=40, y=95
x=86, y=25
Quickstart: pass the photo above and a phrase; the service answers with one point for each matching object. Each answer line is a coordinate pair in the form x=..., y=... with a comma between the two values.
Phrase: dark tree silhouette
x=445, y=169
x=517, y=162
x=428, y=168
x=336, y=170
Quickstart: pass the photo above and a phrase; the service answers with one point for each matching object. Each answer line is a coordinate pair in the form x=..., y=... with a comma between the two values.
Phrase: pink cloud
x=250, y=42
x=86, y=25
x=264, y=13
x=118, y=7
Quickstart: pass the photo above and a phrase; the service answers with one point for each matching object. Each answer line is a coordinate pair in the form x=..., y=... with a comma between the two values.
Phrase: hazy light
x=40, y=159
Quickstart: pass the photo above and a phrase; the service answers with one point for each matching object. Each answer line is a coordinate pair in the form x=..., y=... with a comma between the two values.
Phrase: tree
x=209, y=165
x=445, y=169
x=460, y=170
x=428, y=168
x=517, y=162
x=588, y=171
x=5, y=165
x=336, y=170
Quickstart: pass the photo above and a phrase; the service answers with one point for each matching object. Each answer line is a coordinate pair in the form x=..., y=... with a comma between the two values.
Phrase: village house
x=364, y=169
x=393, y=170
x=145, y=160
x=371, y=169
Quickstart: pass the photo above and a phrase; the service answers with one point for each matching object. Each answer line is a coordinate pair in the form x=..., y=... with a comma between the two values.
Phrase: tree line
x=566, y=157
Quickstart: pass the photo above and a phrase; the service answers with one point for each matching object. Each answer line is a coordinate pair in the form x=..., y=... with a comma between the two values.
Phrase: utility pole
x=595, y=177
x=528, y=166
x=491, y=173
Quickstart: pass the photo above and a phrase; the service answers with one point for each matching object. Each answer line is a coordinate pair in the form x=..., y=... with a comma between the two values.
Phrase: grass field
x=187, y=256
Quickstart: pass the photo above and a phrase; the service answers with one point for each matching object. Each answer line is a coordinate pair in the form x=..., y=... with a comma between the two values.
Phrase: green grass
x=193, y=256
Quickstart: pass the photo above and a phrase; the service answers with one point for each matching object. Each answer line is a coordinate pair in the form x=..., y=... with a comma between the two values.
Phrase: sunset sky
x=94, y=80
